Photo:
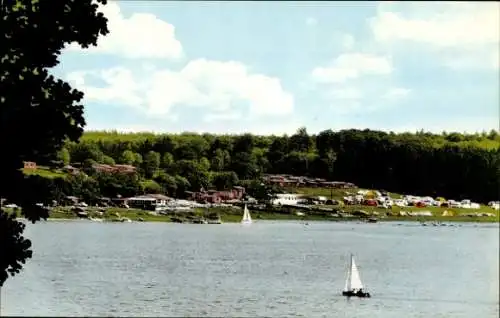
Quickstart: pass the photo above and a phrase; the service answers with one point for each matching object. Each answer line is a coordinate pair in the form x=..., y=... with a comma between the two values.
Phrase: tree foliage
x=63, y=156
x=40, y=110
x=448, y=164
x=151, y=164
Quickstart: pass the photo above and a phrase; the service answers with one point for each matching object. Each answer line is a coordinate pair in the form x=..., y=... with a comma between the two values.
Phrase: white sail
x=247, y=219
x=355, y=282
x=347, y=286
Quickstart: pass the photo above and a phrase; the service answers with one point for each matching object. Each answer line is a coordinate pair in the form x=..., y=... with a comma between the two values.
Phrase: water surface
x=273, y=269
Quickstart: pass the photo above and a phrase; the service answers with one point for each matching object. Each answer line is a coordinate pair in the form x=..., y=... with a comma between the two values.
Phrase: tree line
x=450, y=164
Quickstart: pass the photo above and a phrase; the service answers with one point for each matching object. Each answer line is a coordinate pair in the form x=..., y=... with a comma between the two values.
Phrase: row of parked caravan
x=376, y=198
x=494, y=205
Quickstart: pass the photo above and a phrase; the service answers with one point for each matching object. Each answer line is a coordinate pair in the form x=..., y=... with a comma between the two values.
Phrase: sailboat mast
x=350, y=272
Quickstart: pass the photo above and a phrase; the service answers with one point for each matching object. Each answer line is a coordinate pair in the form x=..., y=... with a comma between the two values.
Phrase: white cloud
x=223, y=89
x=351, y=66
x=121, y=86
x=347, y=90
x=464, y=30
x=311, y=21
x=142, y=35
x=396, y=93
x=213, y=85
x=454, y=25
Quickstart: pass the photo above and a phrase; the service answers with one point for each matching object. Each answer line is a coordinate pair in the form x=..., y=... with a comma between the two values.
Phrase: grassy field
x=45, y=172
x=235, y=215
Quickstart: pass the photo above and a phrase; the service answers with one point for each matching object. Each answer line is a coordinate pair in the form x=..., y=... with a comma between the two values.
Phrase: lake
x=273, y=269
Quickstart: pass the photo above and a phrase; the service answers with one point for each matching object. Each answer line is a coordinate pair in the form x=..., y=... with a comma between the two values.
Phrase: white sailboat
x=247, y=219
x=353, y=285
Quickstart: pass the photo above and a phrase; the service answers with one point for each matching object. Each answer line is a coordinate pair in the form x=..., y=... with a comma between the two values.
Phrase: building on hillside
x=29, y=165
x=70, y=200
x=70, y=169
x=126, y=169
x=286, y=199
x=337, y=185
x=147, y=201
x=284, y=180
x=214, y=196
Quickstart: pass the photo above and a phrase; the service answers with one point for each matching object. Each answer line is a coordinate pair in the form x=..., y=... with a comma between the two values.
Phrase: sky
x=272, y=67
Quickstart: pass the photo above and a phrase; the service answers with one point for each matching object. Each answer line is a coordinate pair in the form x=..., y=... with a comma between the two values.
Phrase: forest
x=449, y=164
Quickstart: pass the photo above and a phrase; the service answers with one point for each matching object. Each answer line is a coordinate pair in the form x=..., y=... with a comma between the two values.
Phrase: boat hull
x=360, y=294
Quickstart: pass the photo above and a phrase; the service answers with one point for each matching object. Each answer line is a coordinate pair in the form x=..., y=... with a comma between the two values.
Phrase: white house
x=148, y=199
x=286, y=199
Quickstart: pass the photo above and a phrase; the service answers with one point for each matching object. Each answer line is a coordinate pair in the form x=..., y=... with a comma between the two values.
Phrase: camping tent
x=447, y=213
x=370, y=195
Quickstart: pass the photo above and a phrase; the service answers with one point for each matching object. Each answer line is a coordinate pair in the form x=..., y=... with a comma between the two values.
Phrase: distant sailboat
x=353, y=285
x=247, y=219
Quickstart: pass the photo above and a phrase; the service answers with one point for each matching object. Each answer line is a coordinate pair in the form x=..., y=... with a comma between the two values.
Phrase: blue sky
x=272, y=67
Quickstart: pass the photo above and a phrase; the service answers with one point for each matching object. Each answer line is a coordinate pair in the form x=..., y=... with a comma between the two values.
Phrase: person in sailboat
x=357, y=292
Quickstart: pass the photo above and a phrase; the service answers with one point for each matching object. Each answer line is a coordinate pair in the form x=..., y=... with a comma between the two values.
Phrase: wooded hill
x=452, y=165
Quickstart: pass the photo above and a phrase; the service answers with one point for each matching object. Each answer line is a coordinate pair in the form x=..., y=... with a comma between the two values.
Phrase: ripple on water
x=149, y=269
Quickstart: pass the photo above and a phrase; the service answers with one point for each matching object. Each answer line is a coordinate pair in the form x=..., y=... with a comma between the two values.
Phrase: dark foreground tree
x=38, y=112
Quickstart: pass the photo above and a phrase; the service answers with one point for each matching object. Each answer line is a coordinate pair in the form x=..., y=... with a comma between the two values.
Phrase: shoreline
x=231, y=215
x=427, y=221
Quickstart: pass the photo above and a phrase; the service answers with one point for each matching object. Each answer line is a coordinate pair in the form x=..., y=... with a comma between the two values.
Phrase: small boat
x=353, y=285
x=247, y=219
x=176, y=220
x=218, y=220
x=199, y=221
